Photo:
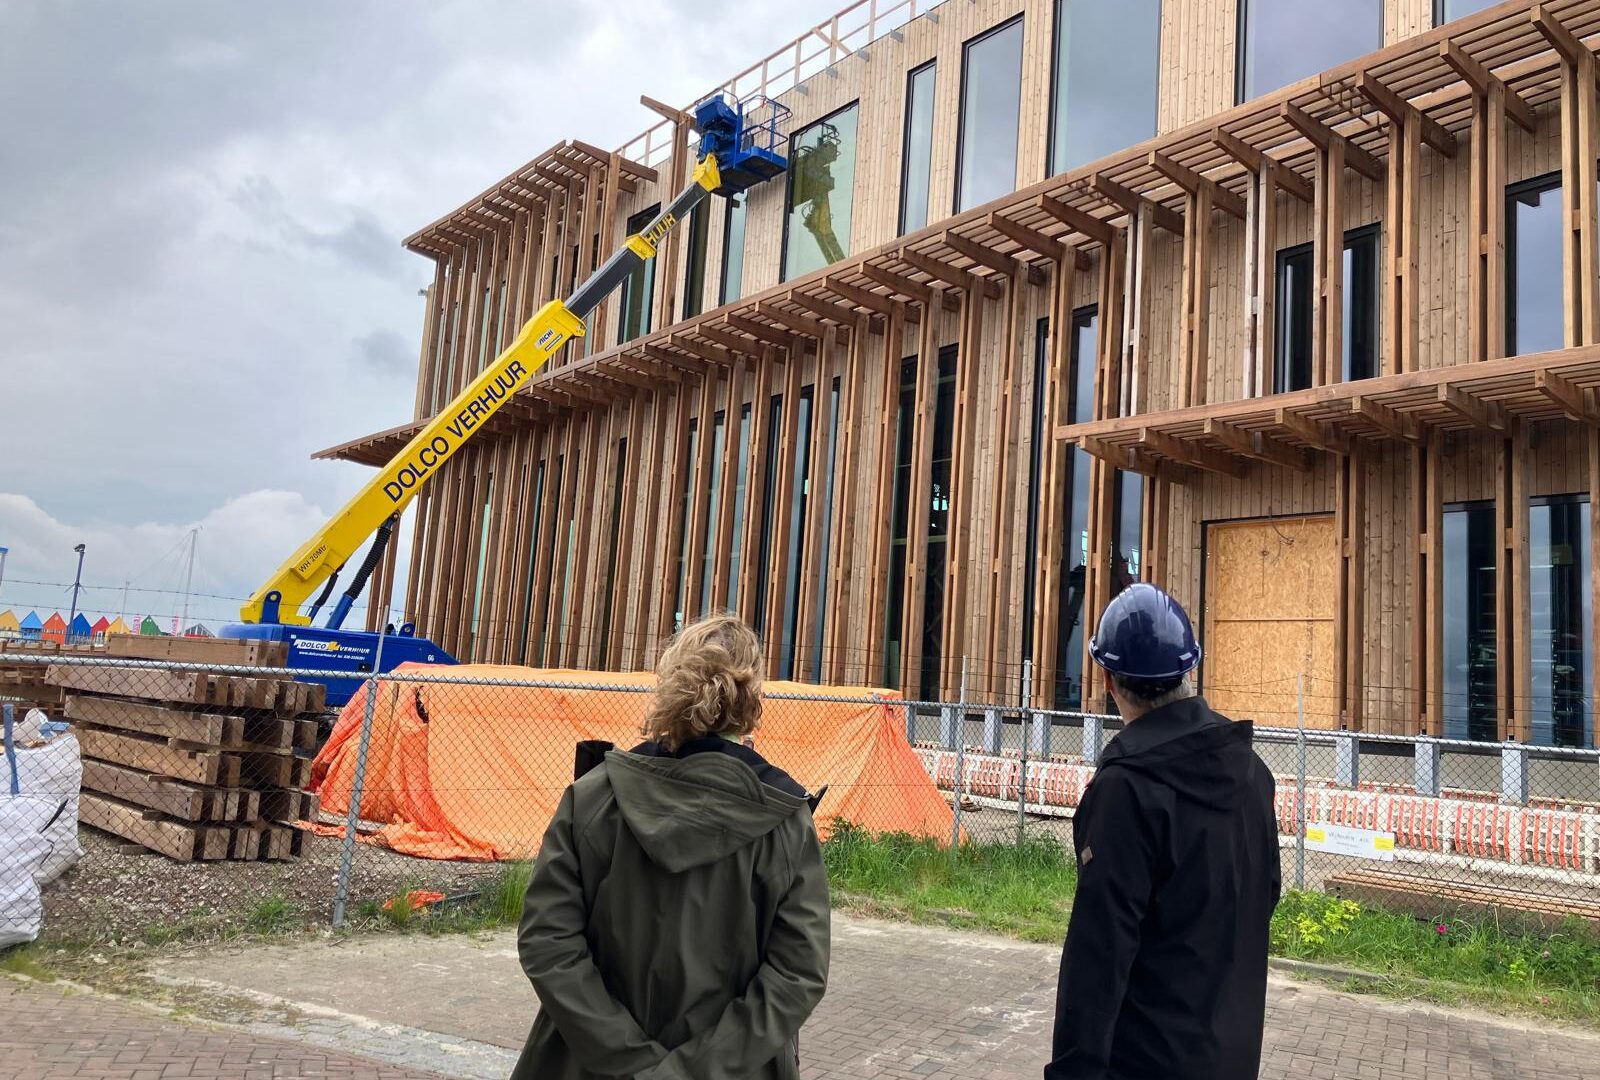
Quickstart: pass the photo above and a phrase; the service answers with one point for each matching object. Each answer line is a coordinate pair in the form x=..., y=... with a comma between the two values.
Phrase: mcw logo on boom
x=433, y=452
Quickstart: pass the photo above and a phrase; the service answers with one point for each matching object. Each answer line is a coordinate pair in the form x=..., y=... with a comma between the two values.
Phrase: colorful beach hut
x=118, y=626
x=31, y=627
x=149, y=627
x=55, y=629
x=101, y=627
x=79, y=630
x=10, y=625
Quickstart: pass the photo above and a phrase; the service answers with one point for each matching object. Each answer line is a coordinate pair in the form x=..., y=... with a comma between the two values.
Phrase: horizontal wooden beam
x=951, y=275
x=872, y=301
x=1079, y=221
x=1254, y=159
x=1192, y=182
x=705, y=350
x=663, y=110
x=1397, y=109
x=1122, y=457
x=916, y=291
x=759, y=330
x=801, y=324
x=843, y=314
x=1562, y=40
x=1254, y=444
x=1132, y=202
x=1567, y=395
x=693, y=365
x=737, y=344
x=1322, y=136
x=1030, y=239
x=1480, y=78
x=1483, y=414
x=1188, y=453
x=1387, y=420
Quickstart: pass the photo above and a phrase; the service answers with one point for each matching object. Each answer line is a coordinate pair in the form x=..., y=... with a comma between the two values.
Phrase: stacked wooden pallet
x=191, y=764
x=22, y=672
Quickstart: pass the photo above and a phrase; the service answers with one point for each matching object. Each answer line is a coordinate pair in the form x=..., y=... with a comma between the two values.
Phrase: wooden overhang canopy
x=1058, y=218
x=558, y=170
x=1290, y=429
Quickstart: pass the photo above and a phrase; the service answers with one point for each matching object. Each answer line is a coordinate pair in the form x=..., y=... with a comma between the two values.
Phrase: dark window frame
x=646, y=273
x=1362, y=234
x=1551, y=181
x=788, y=191
x=741, y=204
x=1280, y=330
x=695, y=249
x=1057, y=9
x=905, y=141
x=961, y=101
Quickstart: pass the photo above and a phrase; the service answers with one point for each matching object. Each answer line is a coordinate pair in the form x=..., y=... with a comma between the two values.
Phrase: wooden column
x=1102, y=475
x=913, y=607
x=1350, y=613
x=1427, y=588
x=761, y=436
x=678, y=478
x=881, y=512
x=700, y=494
x=739, y=384
x=639, y=626
x=596, y=476
x=1514, y=674
x=1046, y=598
x=1591, y=438
x=634, y=466
x=1196, y=311
x=809, y=581
x=1003, y=669
x=788, y=436
x=969, y=368
x=840, y=657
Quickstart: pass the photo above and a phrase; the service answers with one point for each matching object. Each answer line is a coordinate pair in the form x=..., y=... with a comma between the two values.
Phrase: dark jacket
x=676, y=925
x=1164, y=974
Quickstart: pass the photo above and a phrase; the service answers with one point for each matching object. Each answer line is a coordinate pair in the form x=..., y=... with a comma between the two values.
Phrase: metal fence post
x=1094, y=728
x=1425, y=767
x=961, y=764
x=1347, y=759
x=991, y=730
x=1023, y=729
x=341, y=895
x=1514, y=774
x=911, y=724
x=1300, y=785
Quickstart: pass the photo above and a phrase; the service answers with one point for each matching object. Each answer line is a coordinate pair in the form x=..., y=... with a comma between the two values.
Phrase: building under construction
x=1290, y=306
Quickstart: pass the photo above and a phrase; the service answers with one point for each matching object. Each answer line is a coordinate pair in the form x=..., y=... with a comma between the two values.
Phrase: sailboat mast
x=188, y=580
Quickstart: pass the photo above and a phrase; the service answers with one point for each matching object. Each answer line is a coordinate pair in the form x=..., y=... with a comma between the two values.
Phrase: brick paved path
x=48, y=1033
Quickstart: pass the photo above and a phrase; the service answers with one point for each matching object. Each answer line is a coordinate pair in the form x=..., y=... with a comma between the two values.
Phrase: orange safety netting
x=476, y=771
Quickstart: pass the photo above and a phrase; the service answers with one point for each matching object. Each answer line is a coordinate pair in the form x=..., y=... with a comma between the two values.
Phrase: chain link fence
x=211, y=788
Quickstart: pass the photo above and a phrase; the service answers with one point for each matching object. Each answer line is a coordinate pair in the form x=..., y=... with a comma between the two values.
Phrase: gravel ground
x=114, y=896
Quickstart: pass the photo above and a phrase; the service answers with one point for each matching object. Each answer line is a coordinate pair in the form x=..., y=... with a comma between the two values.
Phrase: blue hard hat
x=1145, y=634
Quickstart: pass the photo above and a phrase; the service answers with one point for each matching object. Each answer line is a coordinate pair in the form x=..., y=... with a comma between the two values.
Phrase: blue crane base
x=314, y=648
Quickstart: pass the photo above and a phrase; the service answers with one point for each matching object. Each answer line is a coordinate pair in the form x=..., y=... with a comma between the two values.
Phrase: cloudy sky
x=201, y=278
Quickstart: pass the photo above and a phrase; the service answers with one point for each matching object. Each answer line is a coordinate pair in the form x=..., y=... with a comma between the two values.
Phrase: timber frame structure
x=571, y=533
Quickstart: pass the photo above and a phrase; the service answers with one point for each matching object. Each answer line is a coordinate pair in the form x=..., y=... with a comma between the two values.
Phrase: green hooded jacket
x=676, y=927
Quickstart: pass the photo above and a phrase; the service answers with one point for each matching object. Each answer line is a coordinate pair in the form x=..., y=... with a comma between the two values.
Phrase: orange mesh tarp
x=475, y=772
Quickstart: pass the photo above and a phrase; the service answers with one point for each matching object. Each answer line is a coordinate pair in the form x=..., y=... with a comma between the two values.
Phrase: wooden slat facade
x=1174, y=241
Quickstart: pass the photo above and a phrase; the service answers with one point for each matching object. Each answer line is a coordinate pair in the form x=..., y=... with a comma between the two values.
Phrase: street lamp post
x=77, y=583
x=4, y=551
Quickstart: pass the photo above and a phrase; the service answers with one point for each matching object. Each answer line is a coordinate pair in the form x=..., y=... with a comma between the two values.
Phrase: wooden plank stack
x=22, y=673
x=191, y=764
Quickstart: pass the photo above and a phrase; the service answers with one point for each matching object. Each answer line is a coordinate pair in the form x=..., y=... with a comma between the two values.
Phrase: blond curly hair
x=708, y=682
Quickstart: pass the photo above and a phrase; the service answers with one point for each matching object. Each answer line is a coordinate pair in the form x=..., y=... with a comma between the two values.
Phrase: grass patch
x=497, y=903
x=20, y=960
x=1026, y=891
x=272, y=914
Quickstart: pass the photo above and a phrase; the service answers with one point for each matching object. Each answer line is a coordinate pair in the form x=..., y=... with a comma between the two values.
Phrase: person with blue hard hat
x=1164, y=972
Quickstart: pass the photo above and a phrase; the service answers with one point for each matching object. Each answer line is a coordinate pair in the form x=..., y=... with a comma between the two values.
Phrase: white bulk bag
x=23, y=851
x=48, y=778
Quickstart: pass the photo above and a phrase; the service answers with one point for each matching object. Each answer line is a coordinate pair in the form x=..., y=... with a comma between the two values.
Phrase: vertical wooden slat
x=680, y=474
x=739, y=385
x=699, y=493
x=811, y=570
x=839, y=657
x=761, y=436
x=881, y=513
x=914, y=608
x=782, y=510
x=1002, y=631
x=963, y=496
x=646, y=538
x=1331, y=356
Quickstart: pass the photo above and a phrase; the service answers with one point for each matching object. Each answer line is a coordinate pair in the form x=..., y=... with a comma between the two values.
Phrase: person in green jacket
x=676, y=926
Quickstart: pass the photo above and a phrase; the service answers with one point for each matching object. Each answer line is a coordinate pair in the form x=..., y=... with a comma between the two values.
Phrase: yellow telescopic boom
x=388, y=493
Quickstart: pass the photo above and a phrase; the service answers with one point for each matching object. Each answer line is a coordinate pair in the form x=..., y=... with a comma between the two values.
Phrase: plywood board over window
x=1270, y=602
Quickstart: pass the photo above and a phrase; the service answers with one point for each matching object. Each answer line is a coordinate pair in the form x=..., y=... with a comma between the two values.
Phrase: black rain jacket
x=1164, y=974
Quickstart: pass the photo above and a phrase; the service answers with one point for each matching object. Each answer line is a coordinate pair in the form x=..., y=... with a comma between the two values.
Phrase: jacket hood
x=686, y=812
x=1203, y=756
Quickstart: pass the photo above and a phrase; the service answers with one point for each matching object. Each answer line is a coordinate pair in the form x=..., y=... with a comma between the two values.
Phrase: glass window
x=991, y=110
x=1561, y=598
x=709, y=526
x=903, y=441
x=917, y=161
x=1075, y=546
x=483, y=559
x=822, y=174
x=694, y=281
x=533, y=563
x=1295, y=303
x=733, y=250
x=1449, y=10
x=1360, y=336
x=736, y=543
x=681, y=573
x=618, y=482
x=770, y=488
x=800, y=499
x=1470, y=654
x=1126, y=566
x=827, y=532
x=639, y=287
x=1106, y=56
x=1284, y=41
x=1534, y=286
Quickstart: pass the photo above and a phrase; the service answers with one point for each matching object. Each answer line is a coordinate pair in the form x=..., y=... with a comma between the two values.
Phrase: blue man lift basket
x=744, y=135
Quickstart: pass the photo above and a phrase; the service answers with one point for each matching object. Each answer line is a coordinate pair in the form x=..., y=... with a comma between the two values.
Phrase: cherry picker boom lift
x=736, y=152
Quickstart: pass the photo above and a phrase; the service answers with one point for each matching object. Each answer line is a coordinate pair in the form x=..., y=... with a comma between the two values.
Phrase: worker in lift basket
x=676, y=927
x=1164, y=974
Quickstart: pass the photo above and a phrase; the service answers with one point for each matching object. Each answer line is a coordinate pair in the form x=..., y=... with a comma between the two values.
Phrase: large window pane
x=708, y=526
x=1360, y=335
x=542, y=656
x=1107, y=53
x=933, y=580
x=681, y=566
x=822, y=174
x=537, y=504
x=1126, y=565
x=917, y=161
x=1470, y=655
x=769, y=494
x=796, y=510
x=733, y=250
x=741, y=484
x=638, y=288
x=1284, y=41
x=1294, y=307
x=991, y=103
x=1449, y=10
x=694, y=280
x=1075, y=549
x=901, y=518
x=1533, y=266
x=1038, y=446
x=827, y=531
x=483, y=558
x=1563, y=684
